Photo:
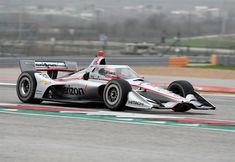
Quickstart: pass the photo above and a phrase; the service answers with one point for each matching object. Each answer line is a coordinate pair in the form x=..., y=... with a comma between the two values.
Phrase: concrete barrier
x=86, y=60
x=201, y=59
x=133, y=60
x=225, y=60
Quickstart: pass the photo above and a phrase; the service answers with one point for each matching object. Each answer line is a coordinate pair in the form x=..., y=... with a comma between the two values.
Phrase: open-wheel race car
x=117, y=86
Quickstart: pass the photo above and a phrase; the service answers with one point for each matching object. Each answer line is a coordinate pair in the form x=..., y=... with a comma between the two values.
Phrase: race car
x=117, y=86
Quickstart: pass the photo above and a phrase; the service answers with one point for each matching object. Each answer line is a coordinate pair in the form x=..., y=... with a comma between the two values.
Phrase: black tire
x=26, y=87
x=115, y=94
x=182, y=88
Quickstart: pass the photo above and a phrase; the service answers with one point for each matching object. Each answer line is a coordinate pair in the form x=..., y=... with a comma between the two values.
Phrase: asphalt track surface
x=33, y=137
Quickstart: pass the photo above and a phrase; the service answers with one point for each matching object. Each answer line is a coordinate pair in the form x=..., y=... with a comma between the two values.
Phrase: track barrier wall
x=86, y=60
x=224, y=60
x=213, y=59
x=134, y=60
x=178, y=61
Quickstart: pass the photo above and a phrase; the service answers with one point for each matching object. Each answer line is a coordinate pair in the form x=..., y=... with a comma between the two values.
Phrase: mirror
x=86, y=76
x=141, y=76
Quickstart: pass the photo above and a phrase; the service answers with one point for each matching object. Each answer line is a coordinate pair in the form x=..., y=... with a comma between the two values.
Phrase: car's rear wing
x=32, y=65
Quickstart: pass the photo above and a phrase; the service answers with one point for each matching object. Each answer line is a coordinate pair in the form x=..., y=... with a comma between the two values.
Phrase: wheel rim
x=112, y=94
x=24, y=86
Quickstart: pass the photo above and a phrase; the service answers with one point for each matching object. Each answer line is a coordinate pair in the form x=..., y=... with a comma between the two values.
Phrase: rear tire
x=182, y=88
x=26, y=87
x=115, y=94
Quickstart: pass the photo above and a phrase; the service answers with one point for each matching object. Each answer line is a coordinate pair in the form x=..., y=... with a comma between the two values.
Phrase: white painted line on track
x=218, y=94
x=125, y=119
x=156, y=122
x=7, y=104
x=189, y=125
x=70, y=112
x=10, y=109
x=7, y=84
x=132, y=115
x=42, y=105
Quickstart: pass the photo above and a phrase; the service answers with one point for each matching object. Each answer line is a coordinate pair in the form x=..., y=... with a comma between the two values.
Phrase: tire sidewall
x=123, y=90
x=119, y=90
x=186, y=88
x=30, y=96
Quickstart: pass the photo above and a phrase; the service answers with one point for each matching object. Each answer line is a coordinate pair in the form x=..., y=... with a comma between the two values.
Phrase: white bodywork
x=74, y=88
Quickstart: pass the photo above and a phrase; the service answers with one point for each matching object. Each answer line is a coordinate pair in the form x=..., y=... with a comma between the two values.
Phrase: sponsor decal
x=38, y=92
x=74, y=91
x=45, y=75
x=45, y=65
x=44, y=82
x=135, y=103
x=49, y=64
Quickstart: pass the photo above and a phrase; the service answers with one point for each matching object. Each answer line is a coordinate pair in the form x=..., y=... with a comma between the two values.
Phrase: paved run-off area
x=187, y=72
x=33, y=138
x=39, y=137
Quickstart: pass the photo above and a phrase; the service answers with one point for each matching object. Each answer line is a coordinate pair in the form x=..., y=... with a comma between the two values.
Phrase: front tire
x=115, y=94
x=26, y=87
x=181, y=88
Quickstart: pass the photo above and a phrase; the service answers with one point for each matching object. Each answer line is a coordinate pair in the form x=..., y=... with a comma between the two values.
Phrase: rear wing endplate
x=32, y=65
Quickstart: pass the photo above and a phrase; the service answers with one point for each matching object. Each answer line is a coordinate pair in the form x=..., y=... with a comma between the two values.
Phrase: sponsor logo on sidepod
x=74, y=91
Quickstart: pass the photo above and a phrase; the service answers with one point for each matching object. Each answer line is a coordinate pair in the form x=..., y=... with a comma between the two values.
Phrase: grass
x=220, y=67
x=225, y=42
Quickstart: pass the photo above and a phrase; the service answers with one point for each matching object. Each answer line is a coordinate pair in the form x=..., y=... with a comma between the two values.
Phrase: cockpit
x=115, y=71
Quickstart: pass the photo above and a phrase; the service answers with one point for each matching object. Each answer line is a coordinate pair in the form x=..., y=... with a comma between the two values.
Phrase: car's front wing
x=196, y=101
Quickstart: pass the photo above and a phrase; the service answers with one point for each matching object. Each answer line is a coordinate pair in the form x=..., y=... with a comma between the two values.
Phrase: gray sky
x=114, y=2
